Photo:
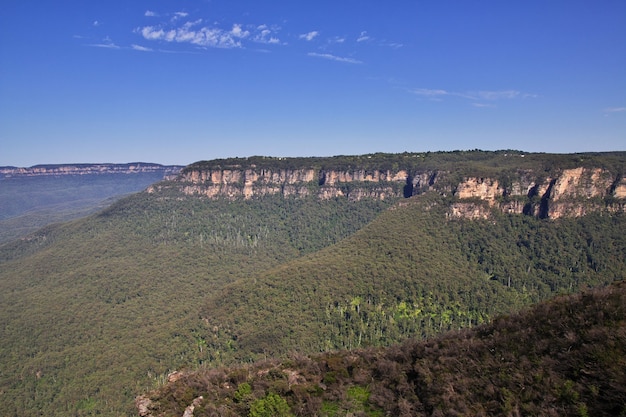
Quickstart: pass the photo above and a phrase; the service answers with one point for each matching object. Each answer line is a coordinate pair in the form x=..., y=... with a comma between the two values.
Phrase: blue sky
x=174, y=82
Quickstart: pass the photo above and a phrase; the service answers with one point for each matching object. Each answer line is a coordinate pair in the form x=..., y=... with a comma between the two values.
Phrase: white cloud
x=151, y=33
x=96, y=23
x=264, y=34
x=204, y=36
x=178, y=15
x=140, y=48
x=150, y=13
x=309, y=36
x=237, y=32
x=494, y=95
x=192, y=32
x=363, y=37
x=335, y=58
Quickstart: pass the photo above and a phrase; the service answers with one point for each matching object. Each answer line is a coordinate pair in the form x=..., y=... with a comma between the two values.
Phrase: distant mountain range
x=89, y=169
x=42, y=194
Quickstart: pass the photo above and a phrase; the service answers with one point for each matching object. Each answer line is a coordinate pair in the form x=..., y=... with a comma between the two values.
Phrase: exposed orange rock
x=483, y=188
x=563, y=194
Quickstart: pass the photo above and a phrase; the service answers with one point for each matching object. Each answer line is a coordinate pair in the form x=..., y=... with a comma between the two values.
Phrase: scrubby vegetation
x=565, y=357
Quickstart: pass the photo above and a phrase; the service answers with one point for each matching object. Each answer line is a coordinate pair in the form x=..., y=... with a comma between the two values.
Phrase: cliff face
x=573, y=192
x=325, y=184
x=567, y=192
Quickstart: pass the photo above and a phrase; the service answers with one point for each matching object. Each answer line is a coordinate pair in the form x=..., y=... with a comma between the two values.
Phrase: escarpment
x=568, y=193
x=474, y=191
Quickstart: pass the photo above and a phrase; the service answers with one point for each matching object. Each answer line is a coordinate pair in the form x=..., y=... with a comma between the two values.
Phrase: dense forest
x=411, y=273
x=100, y=309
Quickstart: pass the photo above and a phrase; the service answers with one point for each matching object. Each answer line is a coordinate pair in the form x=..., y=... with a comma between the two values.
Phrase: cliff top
x=471, y=162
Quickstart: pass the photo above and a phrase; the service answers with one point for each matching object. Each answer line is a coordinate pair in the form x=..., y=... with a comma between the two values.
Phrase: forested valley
x=99, y=310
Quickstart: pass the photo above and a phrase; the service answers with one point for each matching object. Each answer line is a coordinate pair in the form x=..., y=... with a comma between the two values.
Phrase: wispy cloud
x=476, y=96
x=480, y=105
x=363, y=37
x=395, y=45
x=106, y=43
x=428, y=92
x=615, y=110
x=150, y=13
x=96, y=23
x=309, y=36
x=140, y=48
x=494, y=95
x=335, y=58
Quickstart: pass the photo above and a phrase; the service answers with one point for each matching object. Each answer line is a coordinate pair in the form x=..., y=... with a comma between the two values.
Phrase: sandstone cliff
x=546, y=193
x=571, y=192
x=325, y=184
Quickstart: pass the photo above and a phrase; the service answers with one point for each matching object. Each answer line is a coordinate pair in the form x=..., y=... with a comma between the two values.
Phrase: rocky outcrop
x=619, y=188
x=189, y=410
x=143, y=405
x=487, y=189
x=572, y=193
